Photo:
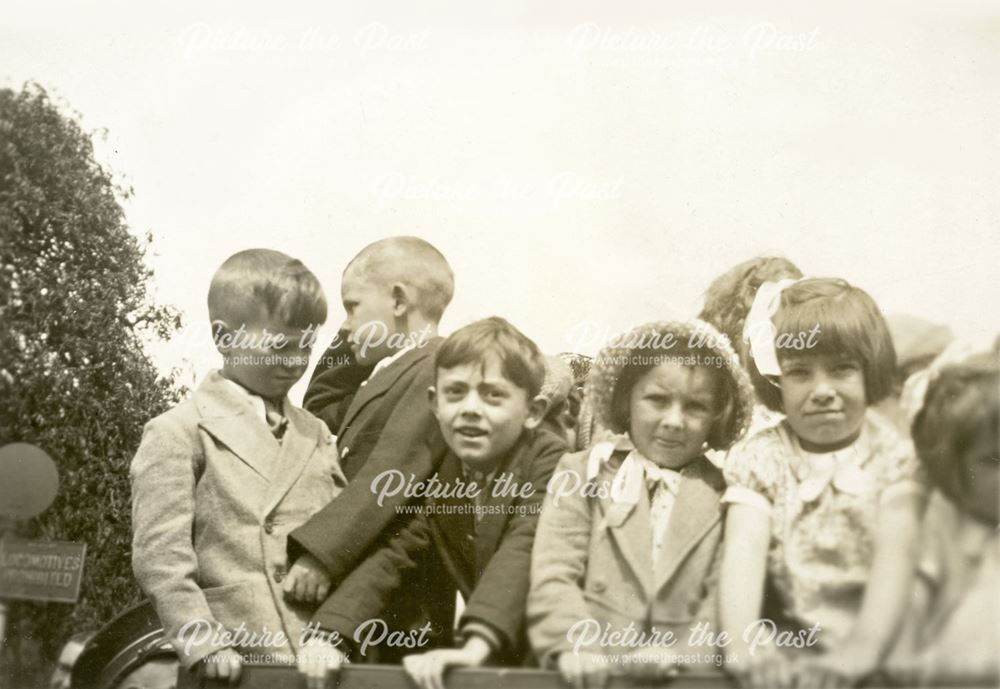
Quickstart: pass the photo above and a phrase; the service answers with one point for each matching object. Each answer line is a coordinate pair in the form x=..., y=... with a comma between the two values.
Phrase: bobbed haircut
x=850, y=324
x=521, y=362
x=961, y=404
x=729, y=298
x=263, y=281
x=413, y=262
x=646, y=359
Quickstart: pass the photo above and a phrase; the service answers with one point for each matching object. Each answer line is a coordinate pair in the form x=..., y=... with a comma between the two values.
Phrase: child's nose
x=471, y=405
x=823, y=392
x=346, y=328
x=673, y=416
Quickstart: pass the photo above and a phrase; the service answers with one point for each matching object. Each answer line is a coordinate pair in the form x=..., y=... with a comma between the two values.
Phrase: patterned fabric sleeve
x=753, y=469
x=900, y=471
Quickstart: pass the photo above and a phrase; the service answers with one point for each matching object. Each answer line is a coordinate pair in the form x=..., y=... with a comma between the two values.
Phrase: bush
x=74, y=378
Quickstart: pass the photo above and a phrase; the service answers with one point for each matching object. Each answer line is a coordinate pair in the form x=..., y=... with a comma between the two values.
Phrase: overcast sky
x=597, y=163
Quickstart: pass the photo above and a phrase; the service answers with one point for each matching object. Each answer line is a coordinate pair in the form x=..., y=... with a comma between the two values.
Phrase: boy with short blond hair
x=219, y=480
x=394, y=293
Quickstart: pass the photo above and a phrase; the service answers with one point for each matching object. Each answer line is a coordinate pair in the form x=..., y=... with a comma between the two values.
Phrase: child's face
x=371, y=316
x=482, y=413
x=982, y=473
x=671, y=410
x=824, y=400
x=266, y=356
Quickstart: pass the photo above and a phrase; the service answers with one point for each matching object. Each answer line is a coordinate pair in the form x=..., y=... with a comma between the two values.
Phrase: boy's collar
x=216, y=377
x=388, y=361
x=503, y=463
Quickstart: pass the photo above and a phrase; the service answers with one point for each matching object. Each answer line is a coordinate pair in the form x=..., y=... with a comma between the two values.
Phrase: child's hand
x=427, y=669
x=307, y=581
x=648, y=664
x=318, y=660
x=584, y=670
x=762, y=671
x=225, y=664
x=845, y=666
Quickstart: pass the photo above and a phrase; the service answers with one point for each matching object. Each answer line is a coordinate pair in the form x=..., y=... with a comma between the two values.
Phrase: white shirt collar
x=388, y=361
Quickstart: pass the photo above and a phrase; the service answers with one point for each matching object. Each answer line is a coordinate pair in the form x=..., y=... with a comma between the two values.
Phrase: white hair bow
x=759, y=329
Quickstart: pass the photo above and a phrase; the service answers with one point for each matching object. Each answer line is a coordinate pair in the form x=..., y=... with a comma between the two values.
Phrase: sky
x=584, y=166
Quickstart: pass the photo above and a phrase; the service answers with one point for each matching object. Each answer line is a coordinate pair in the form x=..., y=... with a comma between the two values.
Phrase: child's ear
x=432, y=399
x=537, y=408
x=401, y=300
x=221, y=333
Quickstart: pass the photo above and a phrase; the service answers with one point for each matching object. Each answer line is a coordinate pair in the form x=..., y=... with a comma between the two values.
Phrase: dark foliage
x=74, y=378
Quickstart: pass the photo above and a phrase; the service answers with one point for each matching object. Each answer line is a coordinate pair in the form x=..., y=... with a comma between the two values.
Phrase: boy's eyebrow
x=452, y=383
x=500, y=382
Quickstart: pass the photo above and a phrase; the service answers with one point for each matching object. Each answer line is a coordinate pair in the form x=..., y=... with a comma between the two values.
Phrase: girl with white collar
x=826, y=503
x=626, y=554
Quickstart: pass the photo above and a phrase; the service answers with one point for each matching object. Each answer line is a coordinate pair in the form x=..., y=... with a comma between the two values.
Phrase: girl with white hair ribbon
x=827, y=503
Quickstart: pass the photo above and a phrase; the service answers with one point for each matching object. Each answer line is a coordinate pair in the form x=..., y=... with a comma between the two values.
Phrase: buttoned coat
x=214, y=495
x=592, y=562
x=389, y=426
x=488, y=564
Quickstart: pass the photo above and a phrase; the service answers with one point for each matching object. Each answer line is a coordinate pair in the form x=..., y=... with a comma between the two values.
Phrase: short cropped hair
x=850, y=324
x=729, y=298
x=521, y=362
x=264, y=281
x=646, y=359
x=413, y=262
x=961, y=403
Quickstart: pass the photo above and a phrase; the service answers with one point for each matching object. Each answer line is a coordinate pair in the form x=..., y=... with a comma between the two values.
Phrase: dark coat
x=335, y=380
x=489, y=563
x=388, y=426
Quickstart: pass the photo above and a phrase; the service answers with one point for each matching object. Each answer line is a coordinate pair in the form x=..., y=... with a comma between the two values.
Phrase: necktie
x=277, y=423
x=479, y=479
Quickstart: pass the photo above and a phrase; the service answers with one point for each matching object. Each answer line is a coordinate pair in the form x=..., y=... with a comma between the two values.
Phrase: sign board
x=41, y=570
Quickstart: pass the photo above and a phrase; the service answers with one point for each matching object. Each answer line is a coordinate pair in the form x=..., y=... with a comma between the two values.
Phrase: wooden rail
x=393, y=677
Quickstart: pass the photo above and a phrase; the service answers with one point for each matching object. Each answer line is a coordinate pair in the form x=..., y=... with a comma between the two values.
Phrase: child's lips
x=670, y=443
x=825, y=413
x=470, y=432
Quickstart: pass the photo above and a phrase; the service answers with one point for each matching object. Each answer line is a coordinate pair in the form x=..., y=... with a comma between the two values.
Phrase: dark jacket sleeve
x=345, y=531
x=334, y=382
x=501, y=593
x=366, y=591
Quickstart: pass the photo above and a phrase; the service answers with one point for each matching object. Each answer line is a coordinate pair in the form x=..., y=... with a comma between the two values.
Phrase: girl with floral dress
x=827, y=502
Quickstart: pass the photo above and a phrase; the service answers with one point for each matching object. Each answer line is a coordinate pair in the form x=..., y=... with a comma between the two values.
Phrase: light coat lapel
x=225, y=413
x=297, y=446
x=696, y=510
x=629, y=527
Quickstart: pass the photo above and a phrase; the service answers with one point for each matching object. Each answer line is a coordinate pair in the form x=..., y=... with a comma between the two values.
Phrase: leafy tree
x=74, y=378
